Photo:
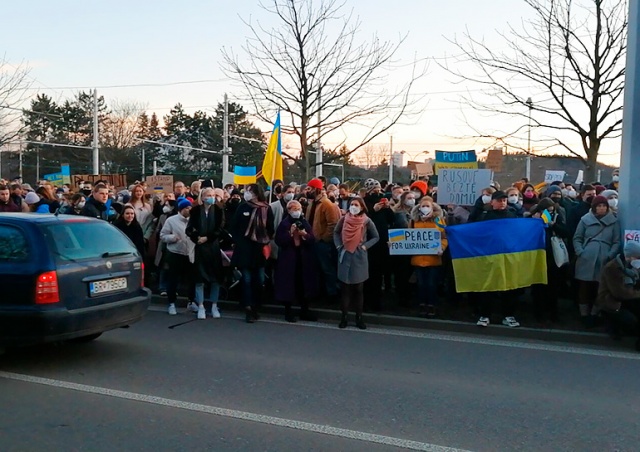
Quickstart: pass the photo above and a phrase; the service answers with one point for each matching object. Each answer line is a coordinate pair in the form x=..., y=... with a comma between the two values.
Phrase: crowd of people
x=303, y=242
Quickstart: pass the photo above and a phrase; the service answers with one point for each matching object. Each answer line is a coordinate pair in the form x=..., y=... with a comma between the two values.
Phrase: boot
x=360, y=323
x=249, y=315
x=343, y=321
x=288, y=314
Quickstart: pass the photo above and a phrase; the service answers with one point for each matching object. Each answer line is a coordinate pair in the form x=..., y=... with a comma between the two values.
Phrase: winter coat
x=208, y=260
x=618, y=283
x=427, y=260
x=353, y=268
x=95, y=209
x=528, y=203
x=134, y=232
x=279, y=211
x=295, y=262
x=325, y=218
x=401, y=219
x=596, y=242
x=9, y=206
x=478, y=210
x=383, y=219
x=459, y=215
x=517, y=209
x=489, y=215
x=247, y=253
x=174, y=234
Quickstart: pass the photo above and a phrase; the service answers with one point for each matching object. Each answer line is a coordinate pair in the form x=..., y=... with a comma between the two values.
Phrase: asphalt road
x=226, y=385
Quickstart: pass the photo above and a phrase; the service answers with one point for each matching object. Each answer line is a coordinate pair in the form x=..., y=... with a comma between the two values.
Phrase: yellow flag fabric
x=272, y=164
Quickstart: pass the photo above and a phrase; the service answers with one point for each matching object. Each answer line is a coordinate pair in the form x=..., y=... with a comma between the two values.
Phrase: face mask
x=426, y=210
x=528, y=194
x=355, y=210
x=59, y=195
x=336, y=193
x=417, y=194
x=613, y=203
x=615, y=178
x=486, y=199
x=513, y=199
x=295, y=214
x=248, y=196
x=572, y=194
x=589, y=200
x=166, y=209
x=556, y=198
x=81, y=204
x=565, y=192
x=234, y=201
x=278, y=189
x=288, y=197
x=209, y=201
x=636, y=264
x=410, y=202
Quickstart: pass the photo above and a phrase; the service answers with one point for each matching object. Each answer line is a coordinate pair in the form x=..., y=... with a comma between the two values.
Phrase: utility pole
x=528, y=167
x=319, y=150
x=96, y=150
x=391, y=159
x=225, y=142
x=20, y=163
x=143, y=159
x=155, y=167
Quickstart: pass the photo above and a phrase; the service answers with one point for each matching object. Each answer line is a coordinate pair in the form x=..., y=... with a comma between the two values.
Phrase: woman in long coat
x=354, y=234
x=296, y=275
x=596, y=242
x=204, y=229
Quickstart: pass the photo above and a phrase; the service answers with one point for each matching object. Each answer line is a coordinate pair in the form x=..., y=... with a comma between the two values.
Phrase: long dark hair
x=122, y=222
x=257, y=191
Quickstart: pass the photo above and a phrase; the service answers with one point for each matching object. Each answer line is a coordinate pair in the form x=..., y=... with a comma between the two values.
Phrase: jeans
x=252, y=286
x=214, y=292
x=428, y=285
x=328, y=260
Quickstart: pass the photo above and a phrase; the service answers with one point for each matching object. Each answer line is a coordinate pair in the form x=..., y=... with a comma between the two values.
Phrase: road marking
x=242, y=415
x=453, y=338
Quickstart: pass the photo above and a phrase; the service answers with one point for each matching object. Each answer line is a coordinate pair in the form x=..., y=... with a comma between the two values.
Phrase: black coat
x=95, y=209
x=208, y=261
x=134, y=232
x=247, y=253
x=497, y=215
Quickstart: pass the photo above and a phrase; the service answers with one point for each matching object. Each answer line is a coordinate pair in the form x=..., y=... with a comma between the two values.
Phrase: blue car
x=66, y=277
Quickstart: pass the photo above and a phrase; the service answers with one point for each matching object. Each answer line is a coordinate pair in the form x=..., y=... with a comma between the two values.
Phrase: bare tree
x=372, y=155
x=571, y=59
x=323, y=80
x=13, y=92
x=118, y=134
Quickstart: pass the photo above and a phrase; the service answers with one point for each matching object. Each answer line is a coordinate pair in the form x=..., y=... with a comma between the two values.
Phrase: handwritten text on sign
x=631, y=235
x=553, y=176
x=462, y=187
x=410, y=242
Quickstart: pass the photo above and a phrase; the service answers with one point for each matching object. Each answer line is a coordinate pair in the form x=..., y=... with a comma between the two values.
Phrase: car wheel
x=85, y=339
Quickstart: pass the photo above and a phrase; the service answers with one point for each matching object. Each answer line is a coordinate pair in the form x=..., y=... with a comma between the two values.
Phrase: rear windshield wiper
x=122, y=253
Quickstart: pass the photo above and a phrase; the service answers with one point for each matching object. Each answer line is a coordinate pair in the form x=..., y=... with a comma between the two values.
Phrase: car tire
x=85, y=339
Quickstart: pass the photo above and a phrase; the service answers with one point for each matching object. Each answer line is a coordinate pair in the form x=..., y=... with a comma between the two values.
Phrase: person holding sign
x=428, y=215
x=354, y=234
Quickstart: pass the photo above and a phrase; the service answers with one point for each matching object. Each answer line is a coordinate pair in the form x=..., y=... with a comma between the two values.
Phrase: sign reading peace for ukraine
x=410, y=242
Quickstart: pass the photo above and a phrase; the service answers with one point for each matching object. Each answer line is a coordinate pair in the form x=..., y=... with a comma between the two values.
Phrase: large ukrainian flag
x=272, y=163
x=498, y=255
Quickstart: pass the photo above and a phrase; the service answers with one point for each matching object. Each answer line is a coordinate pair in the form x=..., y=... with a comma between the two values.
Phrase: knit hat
x=183, y=203
x=420, y=185
x=553, y=189
x=632, y=249
x=371, y=184
x=315, y=183
x=609, y=193
x=600, y=189
x=599, y=200
x=334, y=181
x=31, y=198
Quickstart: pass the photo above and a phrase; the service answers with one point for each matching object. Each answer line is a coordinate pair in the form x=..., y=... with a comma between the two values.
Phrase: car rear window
x=71, y=241
x=13, y=244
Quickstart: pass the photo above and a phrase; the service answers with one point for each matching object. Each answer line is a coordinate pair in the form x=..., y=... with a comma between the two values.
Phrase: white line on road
x=242, y=415
x=453, y=338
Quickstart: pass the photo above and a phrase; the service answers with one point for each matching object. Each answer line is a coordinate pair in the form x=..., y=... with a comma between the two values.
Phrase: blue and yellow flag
x=498, y=255
x=272, y=164
x=243, y=175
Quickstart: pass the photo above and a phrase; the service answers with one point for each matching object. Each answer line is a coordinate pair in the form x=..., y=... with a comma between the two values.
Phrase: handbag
x=560, y=251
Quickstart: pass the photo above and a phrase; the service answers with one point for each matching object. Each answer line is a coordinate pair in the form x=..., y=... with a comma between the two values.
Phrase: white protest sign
x=580, y=177
x=631, y=235
x=411, y=242
x=553, y=176
x=462, y=186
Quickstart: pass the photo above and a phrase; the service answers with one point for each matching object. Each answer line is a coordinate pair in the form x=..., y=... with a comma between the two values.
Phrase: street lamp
x=528, y=167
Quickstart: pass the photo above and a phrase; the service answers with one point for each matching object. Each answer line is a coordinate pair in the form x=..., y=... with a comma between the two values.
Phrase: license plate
x=109, y=285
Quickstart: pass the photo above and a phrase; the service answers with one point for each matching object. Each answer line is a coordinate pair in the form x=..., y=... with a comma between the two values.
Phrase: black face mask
x=556, y=199
x=589, y=200
x=234, y=201
x=278, y=189
x=375, y=197
x=86, y=192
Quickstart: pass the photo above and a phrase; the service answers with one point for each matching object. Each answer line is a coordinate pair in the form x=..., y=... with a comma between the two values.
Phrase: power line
x=138, y=85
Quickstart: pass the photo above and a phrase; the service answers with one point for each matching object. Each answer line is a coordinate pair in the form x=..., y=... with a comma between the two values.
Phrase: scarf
x=257, y=227
x=353, y=231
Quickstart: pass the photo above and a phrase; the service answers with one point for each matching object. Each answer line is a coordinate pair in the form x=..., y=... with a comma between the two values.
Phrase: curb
x=448, y=326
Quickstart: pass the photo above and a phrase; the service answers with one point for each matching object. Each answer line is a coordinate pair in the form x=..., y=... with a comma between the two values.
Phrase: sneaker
x=193, y=307
x=163, y=293
x=172, y=309
x=202, y=314
x=483, y=321
x=511, y=322
x=215, y=313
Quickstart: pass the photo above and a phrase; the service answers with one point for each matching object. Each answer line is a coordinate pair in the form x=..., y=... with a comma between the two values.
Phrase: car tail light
x=47, y=288
x=142, y=276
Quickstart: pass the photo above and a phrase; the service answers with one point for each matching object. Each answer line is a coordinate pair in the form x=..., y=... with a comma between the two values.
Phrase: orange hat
x=421, y=185
x=315, y=183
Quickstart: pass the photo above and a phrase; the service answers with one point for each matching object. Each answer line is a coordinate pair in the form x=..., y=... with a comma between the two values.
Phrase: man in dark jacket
x=96, y=206
x=6, y=203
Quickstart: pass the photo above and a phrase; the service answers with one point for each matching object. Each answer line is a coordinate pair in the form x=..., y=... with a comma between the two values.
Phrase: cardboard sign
x=117, y=180
x=580, y=177
x=411, y=242
x=631, y=235
x=462, y=187
x=553, y=176
x=159, y=184
x=494, y=160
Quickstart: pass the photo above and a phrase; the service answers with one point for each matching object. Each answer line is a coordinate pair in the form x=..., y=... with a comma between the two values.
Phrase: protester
x=514, y=201
x=354, y=234
x=529, y=197
x=296, y=273
x=180, y=189
x=6, y=203
x=47, y=198
x=482, y=204
x=253, y=229
x=168, y=207
x=419, y=189
x=180, y=252
x=401, y=265
x=612, y=199
x=230, y=208
x=96, y=206
x=128, y=224
x=596, y=242
x=144, y=211
x=279, y=209
x=16, y=197
x=196, y=186
x=615, y=180
x=344, y=198
x=205, y=226
x=35, y=203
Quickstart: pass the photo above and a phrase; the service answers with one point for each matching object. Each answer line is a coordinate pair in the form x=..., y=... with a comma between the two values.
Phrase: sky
x=71, y=45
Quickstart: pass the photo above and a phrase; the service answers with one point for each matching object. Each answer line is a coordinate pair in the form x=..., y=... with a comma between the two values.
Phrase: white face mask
x=248, y=196
x=81, y=204
x=513, y=199
x=615, y=178
x=636, y=264
x=486, y=199
x=288, y=197
x=355, y=210
x=613, y=202
x=295, y=214
x=572, y=194
x=167, y=209
x=417, y=194
x=426, y=210
x=410, y=202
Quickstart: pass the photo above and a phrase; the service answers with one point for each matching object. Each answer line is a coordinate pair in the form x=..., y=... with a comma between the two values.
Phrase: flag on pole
x=243, y=175
x=272, y=164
